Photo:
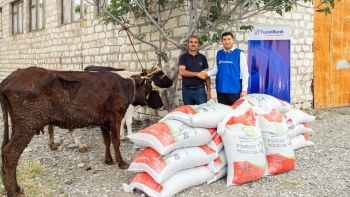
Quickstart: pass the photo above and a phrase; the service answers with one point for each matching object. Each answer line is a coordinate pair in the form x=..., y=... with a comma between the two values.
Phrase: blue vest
x=228, y=75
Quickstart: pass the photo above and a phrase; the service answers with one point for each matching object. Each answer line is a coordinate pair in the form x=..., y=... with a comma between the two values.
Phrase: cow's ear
x=160, y=79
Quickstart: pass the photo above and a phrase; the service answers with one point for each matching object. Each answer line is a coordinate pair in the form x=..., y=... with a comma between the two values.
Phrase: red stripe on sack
x=151, y=158
x=306, y=125
x=161, y=131
x=237, y=103
x=207, y=150
x=184, y=109
x=211, y=130
x=247, y=119
x=306, y=137
x=276, y=163
x=217, y=139
x=246, y=172
x=282, y=102
x=273, y=116
x=145, y=179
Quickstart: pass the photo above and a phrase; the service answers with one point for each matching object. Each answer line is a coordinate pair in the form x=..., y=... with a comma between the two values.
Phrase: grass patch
x=319, y=118
x=344, y=112
x=288, y=182
x=31, y=178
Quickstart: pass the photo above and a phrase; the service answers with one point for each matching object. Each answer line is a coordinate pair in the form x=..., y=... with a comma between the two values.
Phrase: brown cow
x=154, y=101
x=35, y=97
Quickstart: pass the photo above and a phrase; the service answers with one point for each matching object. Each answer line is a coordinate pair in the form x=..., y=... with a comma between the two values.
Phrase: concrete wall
x=85, y=42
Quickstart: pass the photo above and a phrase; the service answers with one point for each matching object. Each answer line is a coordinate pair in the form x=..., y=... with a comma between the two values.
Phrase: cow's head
x=160, y=79
x=144, y=93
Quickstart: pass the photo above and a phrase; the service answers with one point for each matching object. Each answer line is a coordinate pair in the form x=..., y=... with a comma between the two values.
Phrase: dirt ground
x=322, y=170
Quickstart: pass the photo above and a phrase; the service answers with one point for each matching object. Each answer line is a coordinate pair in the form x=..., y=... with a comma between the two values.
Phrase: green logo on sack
x=279, y=127
x=249, y=131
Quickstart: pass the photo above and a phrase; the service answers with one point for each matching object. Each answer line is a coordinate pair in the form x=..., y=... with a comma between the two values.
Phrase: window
x=17, y=17
x=0, y=22
x=71, y=10
x=36, y=14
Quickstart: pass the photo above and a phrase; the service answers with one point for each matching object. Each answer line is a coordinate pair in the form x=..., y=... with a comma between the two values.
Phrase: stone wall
x=87, y=42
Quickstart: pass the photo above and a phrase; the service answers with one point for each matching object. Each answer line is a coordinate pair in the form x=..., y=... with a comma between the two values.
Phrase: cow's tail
x=6, y=127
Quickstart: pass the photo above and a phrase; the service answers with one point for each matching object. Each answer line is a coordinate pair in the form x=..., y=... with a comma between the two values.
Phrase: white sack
x=170, y=135
x=173, y=185
x=243, y=144
x=206, y=115
x=265, y=100
x=301, y=141
x=278, y=148
x=161, y=168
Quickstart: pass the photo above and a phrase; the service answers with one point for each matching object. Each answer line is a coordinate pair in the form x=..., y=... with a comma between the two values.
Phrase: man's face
x=193, y=44
x=228, y=42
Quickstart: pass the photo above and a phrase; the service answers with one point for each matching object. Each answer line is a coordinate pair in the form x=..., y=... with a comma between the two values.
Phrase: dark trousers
x=228, y=99
x=194, y=97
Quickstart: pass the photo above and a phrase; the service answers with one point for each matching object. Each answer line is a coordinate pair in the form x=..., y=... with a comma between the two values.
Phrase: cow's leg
x=10, y=157
x=77, y=142
x=51, y=141
x=128, y=119
x=122, y=132
x=107, y=141
x=115, y=136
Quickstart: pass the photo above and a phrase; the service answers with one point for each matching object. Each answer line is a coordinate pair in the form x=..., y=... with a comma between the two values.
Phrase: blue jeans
x=194, y=97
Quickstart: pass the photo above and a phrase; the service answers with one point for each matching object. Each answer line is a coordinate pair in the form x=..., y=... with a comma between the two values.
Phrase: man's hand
x=203, y=75
x=243, y=93
x=208, y=95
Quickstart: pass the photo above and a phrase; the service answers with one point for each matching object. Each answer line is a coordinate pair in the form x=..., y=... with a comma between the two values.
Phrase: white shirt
x=243, y=66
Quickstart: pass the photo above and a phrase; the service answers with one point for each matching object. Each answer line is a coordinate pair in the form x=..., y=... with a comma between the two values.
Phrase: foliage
x=27, y=174
x=207, y=18
x=77, y=8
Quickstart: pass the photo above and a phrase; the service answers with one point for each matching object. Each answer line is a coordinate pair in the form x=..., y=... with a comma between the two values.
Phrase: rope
x=126, y=29
x=133, y=98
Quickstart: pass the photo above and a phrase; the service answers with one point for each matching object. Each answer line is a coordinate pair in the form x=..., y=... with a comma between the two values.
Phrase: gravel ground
x=322, y=170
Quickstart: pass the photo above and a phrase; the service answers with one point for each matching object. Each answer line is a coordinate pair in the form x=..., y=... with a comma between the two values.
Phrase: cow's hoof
x=53, y=146
x=124, y=139
x=109, y=162
x=123, y=165
x=83, y=149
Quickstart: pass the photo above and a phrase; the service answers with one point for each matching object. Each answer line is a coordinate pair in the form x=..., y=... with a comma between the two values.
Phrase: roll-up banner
x=269, y=60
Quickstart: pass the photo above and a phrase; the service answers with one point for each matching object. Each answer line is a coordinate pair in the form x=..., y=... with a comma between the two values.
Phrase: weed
x=287, y=182
x=319, y=117
x=29, y=175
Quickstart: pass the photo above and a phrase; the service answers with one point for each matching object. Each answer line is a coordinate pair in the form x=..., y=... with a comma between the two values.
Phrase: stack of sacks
x=265, y=100
x=175, y=147
x=297, y=120
x=278, y=149
x=299, y=128
x=243, y=143
x=219, y=165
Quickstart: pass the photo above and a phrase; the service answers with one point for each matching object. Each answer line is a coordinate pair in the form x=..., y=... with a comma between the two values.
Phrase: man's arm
x=244, y=73
x=209, y=73
x=185, y=73
x=207, y=84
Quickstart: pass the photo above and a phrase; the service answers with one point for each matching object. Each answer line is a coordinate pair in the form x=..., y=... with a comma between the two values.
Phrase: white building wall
x=86, y=42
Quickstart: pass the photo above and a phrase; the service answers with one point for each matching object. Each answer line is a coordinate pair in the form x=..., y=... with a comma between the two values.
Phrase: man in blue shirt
x=231, y=71
x=190, y=66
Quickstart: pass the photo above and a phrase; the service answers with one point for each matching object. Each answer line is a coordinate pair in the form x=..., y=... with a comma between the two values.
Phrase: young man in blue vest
x=190, y=66
x=231, y=71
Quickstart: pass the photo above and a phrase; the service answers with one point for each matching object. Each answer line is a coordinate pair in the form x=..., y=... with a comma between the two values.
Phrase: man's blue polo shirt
x=194, y=64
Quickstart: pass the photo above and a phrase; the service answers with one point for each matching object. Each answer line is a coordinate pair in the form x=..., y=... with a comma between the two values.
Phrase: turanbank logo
x=225, y=62
x=268, y=32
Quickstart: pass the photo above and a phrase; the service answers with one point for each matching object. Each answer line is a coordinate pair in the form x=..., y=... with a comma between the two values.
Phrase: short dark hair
x=193, y=36
x=227, y=34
